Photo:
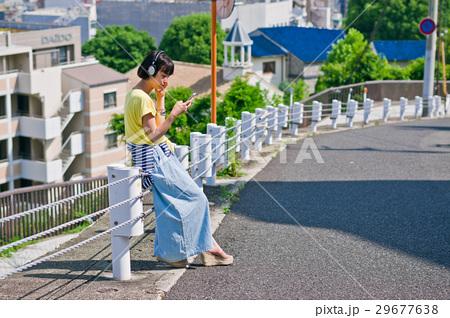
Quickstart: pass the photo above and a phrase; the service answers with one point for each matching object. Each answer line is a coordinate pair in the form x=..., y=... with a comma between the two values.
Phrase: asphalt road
x=366, y=216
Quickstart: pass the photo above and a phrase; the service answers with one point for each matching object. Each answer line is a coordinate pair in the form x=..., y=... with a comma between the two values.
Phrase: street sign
x=427, y=26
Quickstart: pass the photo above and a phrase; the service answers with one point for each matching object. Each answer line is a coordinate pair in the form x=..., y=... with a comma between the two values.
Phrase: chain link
x=70, y=248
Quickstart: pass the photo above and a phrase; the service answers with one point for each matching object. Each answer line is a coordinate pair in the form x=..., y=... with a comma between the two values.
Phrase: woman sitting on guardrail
x=183, y=227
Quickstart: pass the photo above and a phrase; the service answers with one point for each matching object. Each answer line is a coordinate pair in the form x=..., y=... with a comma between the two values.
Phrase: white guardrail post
x=248, y=125
x=230, y=141
x=419, y=106
x=386, y=108
x=335, y=112
x=217, y=148
x=238, y=134
x=261, y=124
x=403, y=104
x=431, y=105
x=437, y=104
x=447, y=104
x=200, y=157
x=120, y=238
x=271, y=123
x=282, y=114
x=351, y=111
x=368, y=107
x=296, y=118
x=316, y=115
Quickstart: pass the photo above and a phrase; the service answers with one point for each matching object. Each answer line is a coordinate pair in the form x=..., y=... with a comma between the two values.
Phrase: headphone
x=152, y=69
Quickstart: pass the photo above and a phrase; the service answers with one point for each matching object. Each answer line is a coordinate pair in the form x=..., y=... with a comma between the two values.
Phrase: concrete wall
x=311, y=73
x=58, y=3
x=273, y=78
x=96, y=119
x=260, y=15
x=50, y=39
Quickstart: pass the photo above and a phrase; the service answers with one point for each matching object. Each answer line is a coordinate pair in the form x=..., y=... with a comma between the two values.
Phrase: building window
x=45, y=58
x=3, y=150
x=21, y=148
x=25, y=147
x=63, y=54
x=22, y=183
x=269, y=67
x=110, y=140
x=109, y=99
x=23, y=105
x=2, y=106
x=4, y=187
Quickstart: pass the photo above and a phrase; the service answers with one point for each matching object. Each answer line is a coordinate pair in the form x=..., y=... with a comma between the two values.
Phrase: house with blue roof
x=278, y=53
x=400, y=52
x=291, y=52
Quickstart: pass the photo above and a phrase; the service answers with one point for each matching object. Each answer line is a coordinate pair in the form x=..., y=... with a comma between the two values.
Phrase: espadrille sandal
x=209, y=259
x=179, y=264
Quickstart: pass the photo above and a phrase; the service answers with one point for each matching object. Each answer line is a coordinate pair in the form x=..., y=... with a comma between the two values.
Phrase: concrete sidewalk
x=85, y=273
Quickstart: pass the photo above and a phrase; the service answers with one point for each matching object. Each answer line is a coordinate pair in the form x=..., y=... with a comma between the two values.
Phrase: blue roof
x=262, y=47
x=401, y=50
x=308, y=44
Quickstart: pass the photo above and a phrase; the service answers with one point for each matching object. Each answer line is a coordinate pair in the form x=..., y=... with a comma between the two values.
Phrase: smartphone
x=192, y=96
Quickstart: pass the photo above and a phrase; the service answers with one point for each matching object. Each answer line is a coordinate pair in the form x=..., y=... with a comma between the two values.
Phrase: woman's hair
x=163, y=63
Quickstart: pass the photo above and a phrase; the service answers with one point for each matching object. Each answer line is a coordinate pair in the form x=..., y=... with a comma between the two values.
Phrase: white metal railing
x=221, y=145
x=265, y=125
x=128, y=204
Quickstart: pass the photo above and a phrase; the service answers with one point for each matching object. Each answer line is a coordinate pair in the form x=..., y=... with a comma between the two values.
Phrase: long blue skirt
x=183, y=226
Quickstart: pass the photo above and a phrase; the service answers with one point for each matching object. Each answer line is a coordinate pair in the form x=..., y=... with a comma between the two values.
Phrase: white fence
x=219, y=148
x=222, y=144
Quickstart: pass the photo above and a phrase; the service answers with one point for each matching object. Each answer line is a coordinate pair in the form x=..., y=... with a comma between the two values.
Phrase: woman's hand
x=180, y=108
x=161, y=91
x=156, y=131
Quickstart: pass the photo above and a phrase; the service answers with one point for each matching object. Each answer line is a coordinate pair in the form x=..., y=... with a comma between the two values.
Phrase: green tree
x=342, y=62
x=188, y=39
x=415, y=69
x=391, y=71
x=240, y=97
x=446, y=40
x=400, y=21
x=117, y=125
x=301, y=91
x=119, y=47
x=320, y=85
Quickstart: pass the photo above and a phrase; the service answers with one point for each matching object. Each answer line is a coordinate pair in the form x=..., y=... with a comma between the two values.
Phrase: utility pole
x=439, y=22
x=430, y=59
x=213, y=61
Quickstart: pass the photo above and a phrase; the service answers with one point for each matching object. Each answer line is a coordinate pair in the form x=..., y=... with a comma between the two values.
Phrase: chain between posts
x=67, y=224
x=70, y=248
x=50, y=205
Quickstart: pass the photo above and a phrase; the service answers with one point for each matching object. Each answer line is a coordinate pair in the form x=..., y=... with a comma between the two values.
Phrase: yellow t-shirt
x=138, y=104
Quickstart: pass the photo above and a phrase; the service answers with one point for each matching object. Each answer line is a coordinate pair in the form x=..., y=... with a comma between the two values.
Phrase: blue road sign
x=427, y=26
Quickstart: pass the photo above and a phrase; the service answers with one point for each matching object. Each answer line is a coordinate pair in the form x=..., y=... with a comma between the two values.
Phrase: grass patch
x=9, y=251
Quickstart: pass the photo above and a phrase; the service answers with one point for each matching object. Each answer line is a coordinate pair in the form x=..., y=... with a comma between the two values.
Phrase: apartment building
x=55, y=107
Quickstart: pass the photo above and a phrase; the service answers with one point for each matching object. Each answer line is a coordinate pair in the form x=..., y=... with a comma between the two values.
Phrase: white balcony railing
x=74, y=144
x=76, y=101
x=45, y=172
x=77, y=143
x=41, y=128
